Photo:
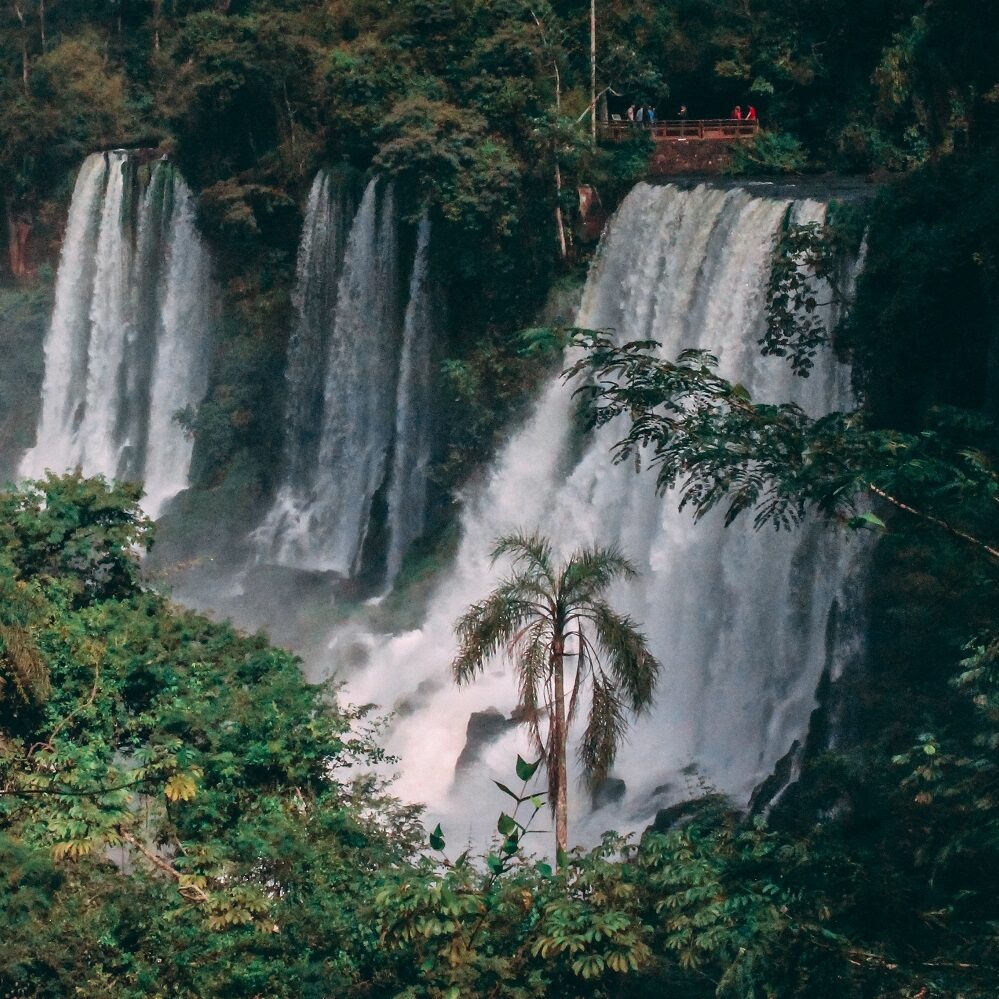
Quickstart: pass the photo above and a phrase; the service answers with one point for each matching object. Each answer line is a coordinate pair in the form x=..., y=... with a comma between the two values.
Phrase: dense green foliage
x=181, y=815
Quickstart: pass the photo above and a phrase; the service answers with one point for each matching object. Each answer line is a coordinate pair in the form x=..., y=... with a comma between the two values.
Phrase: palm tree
x=533, y=615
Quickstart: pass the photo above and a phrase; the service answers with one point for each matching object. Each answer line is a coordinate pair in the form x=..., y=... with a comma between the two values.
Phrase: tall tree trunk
x=559, y=739
x=559, y=222
x=24, y=45
x=41, y=24
x=18, y=233
x=593, y=71
x=157, y=10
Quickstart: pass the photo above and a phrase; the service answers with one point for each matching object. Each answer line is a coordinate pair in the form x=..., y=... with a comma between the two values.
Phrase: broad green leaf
x=506, y=825
x=525, y=770
x=437, y=838
x=874, y=521
x=867, y=520
x=506, y=790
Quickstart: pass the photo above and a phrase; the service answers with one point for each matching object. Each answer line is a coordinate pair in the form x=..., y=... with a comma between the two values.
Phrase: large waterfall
x=744, y=622
x=359, y=387
x=127, y=348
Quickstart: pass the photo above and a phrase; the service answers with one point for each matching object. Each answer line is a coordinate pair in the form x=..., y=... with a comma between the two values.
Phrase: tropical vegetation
x=182, y=815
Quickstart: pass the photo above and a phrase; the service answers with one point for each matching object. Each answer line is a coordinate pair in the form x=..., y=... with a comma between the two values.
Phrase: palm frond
x=584, y=660
x=530, y=552
x=605, y=728
x=589, y=571
x=625, y=654
x=483, y=630
x=532, y=666
x=526, y=590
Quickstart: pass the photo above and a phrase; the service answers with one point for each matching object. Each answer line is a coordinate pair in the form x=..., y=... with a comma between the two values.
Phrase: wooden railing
x=722, y=129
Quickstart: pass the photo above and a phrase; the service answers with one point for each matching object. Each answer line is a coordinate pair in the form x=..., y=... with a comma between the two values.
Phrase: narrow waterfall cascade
x=127, y=348
x=414, y=424
x=328, y=215
x=359, y=375
x=744, y=622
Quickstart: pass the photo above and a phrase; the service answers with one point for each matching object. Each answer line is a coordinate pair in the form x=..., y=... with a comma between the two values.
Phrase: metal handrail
x=696, y=128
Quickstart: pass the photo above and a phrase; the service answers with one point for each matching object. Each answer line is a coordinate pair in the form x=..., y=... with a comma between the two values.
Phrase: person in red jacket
x=737, y=113
x=751, y=113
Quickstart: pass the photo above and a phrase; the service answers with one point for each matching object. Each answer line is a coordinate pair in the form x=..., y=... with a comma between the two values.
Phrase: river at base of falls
x=744, y=622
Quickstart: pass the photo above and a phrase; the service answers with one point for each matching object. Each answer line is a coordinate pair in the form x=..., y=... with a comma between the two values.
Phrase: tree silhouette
x=533, y=615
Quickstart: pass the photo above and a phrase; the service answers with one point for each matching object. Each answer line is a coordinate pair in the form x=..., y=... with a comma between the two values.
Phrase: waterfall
x=65, y=378
x=358, y=387
x=744, y=622
x=407, y=498
x=320, y=262
x=180, y=365
x=127, y=345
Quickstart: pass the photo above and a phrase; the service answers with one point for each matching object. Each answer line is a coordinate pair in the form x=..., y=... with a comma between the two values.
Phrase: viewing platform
x=693, y=145
x=708, y=129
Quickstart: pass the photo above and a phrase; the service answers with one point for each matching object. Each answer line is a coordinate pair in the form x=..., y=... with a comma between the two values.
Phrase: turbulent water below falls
x=745, y=623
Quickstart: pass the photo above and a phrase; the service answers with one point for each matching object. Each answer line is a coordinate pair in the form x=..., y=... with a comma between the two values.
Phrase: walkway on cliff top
x=710, y=129
x=686, y=146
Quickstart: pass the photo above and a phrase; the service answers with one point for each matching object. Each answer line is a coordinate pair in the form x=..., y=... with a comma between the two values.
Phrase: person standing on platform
x=631, y=113
x=640, y=114
x=736, y=114
x=751, y=113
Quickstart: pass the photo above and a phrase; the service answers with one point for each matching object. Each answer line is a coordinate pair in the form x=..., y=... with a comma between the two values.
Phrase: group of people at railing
x=645, y=115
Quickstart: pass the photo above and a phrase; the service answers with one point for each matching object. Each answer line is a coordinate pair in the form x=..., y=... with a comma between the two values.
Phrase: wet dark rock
x=484, y=728
x=409, y=705
x=682, y=812
x=766, y=795
x=609, y=791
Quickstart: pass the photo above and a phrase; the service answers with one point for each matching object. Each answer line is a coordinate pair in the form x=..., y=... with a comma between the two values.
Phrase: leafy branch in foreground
x=707, y=436
x=810, y=284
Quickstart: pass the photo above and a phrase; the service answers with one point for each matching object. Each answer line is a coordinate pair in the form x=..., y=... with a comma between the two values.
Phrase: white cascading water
x=328, y=216
x=127, y=346
x=744, y=622
x=358, y=388
x=180, y=366
x=414, y=426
